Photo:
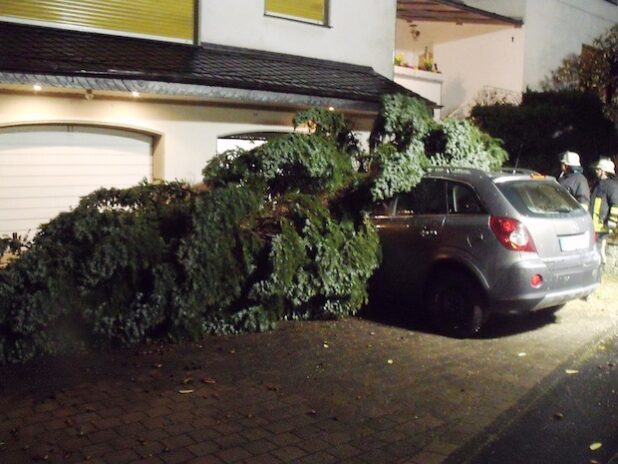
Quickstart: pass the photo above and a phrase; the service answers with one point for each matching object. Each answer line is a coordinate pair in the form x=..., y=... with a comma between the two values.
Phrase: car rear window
x=540, y=198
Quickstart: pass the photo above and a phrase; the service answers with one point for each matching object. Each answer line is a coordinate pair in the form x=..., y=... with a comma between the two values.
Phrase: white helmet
x=606, y=165
x=570, y=158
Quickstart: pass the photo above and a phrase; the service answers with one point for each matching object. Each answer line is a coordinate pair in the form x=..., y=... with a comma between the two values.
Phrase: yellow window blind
x=171, y=19
x=304, y=10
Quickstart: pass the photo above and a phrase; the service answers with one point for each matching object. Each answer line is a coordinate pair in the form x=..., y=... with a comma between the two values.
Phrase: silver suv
x=469, y=243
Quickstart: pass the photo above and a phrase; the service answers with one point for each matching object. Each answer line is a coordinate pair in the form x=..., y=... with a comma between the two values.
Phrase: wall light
x=37, y=87
x=331, y=108
x=89, y=95
x=135, y=93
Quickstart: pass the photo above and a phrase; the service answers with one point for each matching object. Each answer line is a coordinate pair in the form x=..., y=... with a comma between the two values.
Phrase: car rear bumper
x=513, y=292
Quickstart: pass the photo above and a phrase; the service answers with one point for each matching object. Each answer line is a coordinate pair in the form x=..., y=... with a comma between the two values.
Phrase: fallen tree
x=277, y=232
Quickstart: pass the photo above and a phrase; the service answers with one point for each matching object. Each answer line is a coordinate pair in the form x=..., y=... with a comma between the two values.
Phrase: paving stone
x=123, y=455
x=262, y=459
x=255, y=433
x=228, y=441
x=260, y=447
x=318, y=458
x=205, y=433
x=112, y=412
x=204, y=448
x=149, y=449
x=285, y=439
x=426, y=457
x=149, y=460
x=279, y=427
x=314, y=444
x=404, y=448
x=235, y=454
x=177, y=441
x=98, y=449
x=132, y=417
x=154, y=434
x=176, y=456
x=288, y=453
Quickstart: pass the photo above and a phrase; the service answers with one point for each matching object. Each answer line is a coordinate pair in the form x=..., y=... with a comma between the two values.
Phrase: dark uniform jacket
x=604, y=205
x=577, y=185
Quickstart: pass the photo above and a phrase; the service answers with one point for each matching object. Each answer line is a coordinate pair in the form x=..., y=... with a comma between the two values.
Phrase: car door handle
x=428, y=233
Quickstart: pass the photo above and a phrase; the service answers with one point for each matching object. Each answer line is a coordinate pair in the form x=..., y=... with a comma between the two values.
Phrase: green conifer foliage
x=278, y=232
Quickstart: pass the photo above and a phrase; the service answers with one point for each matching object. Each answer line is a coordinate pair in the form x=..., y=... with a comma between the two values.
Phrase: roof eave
x=469, y=14
x=198, y=92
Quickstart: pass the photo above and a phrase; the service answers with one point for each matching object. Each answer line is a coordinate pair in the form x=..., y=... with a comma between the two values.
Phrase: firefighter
x=572, y=179
x=604, y=202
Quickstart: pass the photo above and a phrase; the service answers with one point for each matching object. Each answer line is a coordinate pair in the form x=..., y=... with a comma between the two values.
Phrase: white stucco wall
x=187, y=133
x=557, y=28
x=360, y=31
x=493, y=58
x=469, y=57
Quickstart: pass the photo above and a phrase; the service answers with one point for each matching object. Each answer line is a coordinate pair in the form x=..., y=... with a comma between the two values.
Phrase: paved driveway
x=309, y=392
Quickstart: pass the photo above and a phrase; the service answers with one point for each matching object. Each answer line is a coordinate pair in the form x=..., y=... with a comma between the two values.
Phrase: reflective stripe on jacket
x=604, y=205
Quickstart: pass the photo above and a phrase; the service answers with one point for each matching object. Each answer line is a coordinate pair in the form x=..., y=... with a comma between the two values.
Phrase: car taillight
x=512, y=234
x=536, y=280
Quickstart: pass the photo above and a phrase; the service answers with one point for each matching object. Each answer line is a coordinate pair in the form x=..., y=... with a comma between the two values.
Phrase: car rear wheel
x=455, y=304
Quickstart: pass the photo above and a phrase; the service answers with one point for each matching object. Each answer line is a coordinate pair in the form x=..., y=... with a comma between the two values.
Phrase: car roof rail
x=515, y=171
x=455, y=169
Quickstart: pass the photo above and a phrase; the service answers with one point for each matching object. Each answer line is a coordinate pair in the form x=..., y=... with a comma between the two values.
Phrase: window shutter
x=173, y=19
x=304, y=10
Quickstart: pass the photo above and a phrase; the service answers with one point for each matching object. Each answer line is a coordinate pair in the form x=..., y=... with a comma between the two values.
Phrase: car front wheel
x=455, y=304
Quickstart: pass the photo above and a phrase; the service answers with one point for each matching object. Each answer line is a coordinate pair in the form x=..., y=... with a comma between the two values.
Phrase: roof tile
x=42, y=50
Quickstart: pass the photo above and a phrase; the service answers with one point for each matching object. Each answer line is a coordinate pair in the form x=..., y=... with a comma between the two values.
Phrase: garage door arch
x=46, y=167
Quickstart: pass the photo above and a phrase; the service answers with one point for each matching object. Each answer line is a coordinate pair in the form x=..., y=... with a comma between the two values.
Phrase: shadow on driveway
x=413, y=317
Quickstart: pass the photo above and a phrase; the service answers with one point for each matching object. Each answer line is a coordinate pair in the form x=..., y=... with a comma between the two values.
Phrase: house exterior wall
x=360, y=31
x=186, y=135
x=469, y=57
x=557, y=28
x=506, y=58
x=490, y=56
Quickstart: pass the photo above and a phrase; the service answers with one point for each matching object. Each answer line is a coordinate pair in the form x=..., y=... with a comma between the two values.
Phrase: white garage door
x=46, y=169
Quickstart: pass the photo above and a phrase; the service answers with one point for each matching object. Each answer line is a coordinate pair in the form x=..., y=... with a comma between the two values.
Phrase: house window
x=246, y=140
x=311, y=11
x=167, y=20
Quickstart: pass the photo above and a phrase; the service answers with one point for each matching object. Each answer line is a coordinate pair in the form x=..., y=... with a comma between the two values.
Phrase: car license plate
x=574, y=242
